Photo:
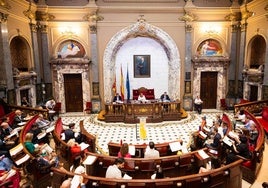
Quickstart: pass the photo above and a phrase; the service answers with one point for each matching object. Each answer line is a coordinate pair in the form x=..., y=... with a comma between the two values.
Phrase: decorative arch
x=57, y=47
x=144, y=29
x=256, y=52
x=20, y=54
x=221, y=44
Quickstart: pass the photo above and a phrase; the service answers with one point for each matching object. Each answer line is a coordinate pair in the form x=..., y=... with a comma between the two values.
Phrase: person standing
x=113, y=171
x=151, y=152
x=50, y=104
x=198, y=104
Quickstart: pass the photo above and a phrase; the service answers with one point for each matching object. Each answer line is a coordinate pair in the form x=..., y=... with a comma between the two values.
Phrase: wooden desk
x=154, y=111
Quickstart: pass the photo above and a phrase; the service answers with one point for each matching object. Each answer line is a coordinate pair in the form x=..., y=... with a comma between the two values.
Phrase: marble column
x=234, y=65
x=45, y=53
x=94, y=56
x=187, y=98
x=6, y=73
x=35, y=49
x=241, y=57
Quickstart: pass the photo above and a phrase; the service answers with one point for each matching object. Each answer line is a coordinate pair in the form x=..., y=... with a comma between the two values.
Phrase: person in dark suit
x=19, y=118
x=164, y=97
x=117, y=98
x=71, y=134
x=216, y=140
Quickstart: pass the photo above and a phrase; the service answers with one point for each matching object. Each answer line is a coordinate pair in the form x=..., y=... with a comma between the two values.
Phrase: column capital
x=43, y=16
x=3, y=17
x=93, y=29
x=33, y=27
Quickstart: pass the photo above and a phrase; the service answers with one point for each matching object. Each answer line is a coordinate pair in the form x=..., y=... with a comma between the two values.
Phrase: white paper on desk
x=175, y=146
x=50, y=129
x=233, y=135
x=227, y=141
x=127, y=177
x=16, y=149
x=23, y=159
x=41, y=135
x=11, y=173
x=90, y=160
x=132, y=149
x=203, y=154
x=83, y=146
x=184, y=149
x=202, y=134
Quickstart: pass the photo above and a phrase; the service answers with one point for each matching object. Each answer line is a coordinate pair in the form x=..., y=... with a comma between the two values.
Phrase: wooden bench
x=251, y=168
x=225, y=176
x=64, y=149
x=163, y=148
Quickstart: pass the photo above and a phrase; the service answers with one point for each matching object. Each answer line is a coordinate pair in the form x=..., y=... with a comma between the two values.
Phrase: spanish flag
x=122, y=88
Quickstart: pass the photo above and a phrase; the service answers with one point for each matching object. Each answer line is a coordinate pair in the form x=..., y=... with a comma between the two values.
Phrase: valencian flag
x=114, y=85
x=143, y=132
x=128, y=86
x=122, y=88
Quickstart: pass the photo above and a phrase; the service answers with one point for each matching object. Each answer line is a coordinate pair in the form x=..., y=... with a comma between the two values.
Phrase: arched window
x=20, y=56
x=257, y=52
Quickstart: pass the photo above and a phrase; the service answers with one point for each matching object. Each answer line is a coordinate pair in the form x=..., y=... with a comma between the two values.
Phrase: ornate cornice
x=29, y=13
x=93, y=17
x=43, y=16
x=188, y=17
x=4, y=4
x=233, y=17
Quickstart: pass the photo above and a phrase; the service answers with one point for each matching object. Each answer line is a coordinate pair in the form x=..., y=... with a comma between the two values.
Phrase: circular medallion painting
x=71, y=49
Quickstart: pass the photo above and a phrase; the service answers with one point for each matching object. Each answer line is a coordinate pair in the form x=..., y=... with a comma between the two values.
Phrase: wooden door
x=73, y=92
x=208, y=90
x=253, y=93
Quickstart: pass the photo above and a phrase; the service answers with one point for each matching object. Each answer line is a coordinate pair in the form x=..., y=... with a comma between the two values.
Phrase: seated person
x=5, y=127
x=41, y=122
x=241, y=148
x=19, y=118
x=117, y=98
x=151, y=152
x=113, y=171
x=70, y=133
x=124, y=151
x=164, y=97
x=216, y=139
x=35, y=130
x=253, y=135
x=24, y=102
x=240, y=116
x=248, y=122
x=203, y=123
x=32, y=148
x=8, y=172
x=142, y=98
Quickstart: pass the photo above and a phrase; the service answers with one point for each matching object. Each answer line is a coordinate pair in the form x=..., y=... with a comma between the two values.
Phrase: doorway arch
x=144, y=29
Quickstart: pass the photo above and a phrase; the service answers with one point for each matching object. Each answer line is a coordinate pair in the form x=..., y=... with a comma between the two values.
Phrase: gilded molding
x=188, y=17
x=266, y=7
x=3, y=17
x=43, y=16
x=93, y=17
x=29, y=13
x=33, y=27
x=233, y=17
x=4, y=4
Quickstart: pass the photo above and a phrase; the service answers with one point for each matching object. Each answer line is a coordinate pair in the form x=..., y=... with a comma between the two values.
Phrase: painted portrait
x=210, y=47
x=71, y=49
x=142, y=66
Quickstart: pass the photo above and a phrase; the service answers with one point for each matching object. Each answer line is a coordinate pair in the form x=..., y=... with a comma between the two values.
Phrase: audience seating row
x=63, y=148
x=263, y=119
x=250, y=168
x=225, y=176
